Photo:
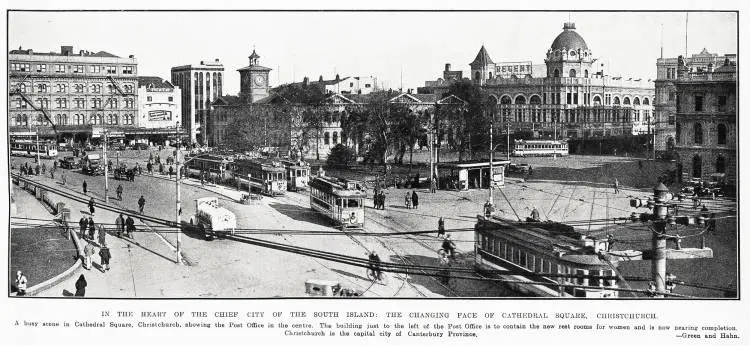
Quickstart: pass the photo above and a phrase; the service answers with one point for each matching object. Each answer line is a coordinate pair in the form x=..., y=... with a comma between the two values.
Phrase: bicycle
x=374, y=277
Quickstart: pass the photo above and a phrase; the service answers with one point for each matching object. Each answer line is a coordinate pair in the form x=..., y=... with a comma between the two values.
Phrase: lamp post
x=178, y=205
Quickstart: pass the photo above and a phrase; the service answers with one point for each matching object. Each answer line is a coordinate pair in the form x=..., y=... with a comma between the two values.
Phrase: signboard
x=159, y=115
x=508, y=69
x=96, y=132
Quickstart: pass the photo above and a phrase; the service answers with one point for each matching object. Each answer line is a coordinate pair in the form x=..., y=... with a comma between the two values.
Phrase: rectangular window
x=77, y=68
x=575, y=98
x=569, y=98
x=699, y=103
x=60, y=68
x=41, y=68
x=111, y=69
x=148, y=98
x=170, y=99
x=722, y=103
x=127, y=70
x=96, y=69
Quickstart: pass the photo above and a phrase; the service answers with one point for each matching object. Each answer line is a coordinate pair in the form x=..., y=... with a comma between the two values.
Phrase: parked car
x=68, y=162
x=518, y=168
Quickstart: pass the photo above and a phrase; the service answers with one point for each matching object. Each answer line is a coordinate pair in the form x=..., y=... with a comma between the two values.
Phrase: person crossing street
x=141, y=204
x=441, y=227
x=119, y=191
x=120, y=224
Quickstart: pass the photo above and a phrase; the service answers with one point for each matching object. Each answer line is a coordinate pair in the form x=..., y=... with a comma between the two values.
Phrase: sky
x=399, y=48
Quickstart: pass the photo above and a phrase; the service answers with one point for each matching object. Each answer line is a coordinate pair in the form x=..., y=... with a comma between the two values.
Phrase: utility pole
x=178, y=205
x=507, y=141
x=431, y=138
x=492, y=148
x=38, y=149
x=106, y=173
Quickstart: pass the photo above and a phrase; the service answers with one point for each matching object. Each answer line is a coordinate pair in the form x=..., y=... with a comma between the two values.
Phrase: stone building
x=706, y=121
x=78, y=91
x=159, y=109
x=573, y=98
x=665, y=101
x=201, y=85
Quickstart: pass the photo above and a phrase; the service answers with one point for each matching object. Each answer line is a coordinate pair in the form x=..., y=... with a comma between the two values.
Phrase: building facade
x=573, y=98
x=254, y=85
x=706, y=121
x=159, y=111
x=665, y=100
x=78, y=91
x=200, y=85
x=351, y=85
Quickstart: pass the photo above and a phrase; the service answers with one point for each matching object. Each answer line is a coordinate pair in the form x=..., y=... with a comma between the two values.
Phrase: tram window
x=304, y=173
x=595, y=281
x=580, y=280
x=521, y=258
x=532, y=262
x=354, y=203
x=505, y=249
x=338, y=202
x=607, y=283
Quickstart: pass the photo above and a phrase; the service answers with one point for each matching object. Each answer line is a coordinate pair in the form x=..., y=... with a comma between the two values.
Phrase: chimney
x=216, y=60
x=131, y=56
x=202, y=62
x=66, y=50
x=447, y=67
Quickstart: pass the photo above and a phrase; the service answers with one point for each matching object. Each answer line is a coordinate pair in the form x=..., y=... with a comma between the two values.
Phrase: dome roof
x=569, y=39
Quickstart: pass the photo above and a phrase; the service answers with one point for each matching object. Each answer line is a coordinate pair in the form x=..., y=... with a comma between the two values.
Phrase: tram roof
x=268, y=164
x=472, y=164
x=338, y=186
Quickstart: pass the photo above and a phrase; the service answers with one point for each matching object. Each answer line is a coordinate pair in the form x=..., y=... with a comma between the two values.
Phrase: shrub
x=341, y=156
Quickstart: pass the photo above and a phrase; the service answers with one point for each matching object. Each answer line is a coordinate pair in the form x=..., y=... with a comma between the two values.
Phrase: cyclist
x=449, y=246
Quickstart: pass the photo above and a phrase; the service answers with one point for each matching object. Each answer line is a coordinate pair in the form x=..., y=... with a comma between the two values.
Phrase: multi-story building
x=159, y=111
x=665, y=101
x=350, y=85
x=201, y=85
x=570, y=96
x=78, y=91
x=706, y=120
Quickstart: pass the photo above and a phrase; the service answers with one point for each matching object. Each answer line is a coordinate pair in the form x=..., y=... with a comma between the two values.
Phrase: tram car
x=297, y=174
x=30, y=148
x=545, y=247
x=340, y=200
x=540, y=148
x=210, y=163
x=263, y=176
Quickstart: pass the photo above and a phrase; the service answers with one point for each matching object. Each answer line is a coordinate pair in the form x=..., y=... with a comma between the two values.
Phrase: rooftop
x=154, y=82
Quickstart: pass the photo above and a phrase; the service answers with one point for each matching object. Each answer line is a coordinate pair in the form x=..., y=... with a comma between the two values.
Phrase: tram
x=297, y=174
x=217, y=164
x=545, y=247
x=30, y=148
x=523, y=147
x=339, y=200
x=262, y=176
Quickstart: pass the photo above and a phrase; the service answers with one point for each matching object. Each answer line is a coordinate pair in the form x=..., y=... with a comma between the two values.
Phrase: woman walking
x=81, y=286
x=105, y=256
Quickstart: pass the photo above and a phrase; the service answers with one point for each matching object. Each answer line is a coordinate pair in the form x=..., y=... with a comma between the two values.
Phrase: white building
x=158, y=104
x=201, y=85
x=350, y=85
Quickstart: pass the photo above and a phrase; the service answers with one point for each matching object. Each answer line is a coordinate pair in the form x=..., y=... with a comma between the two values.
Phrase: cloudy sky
x=388, y=45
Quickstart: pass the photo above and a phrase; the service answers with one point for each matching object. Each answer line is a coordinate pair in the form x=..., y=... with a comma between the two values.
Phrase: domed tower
x=569, y=56
x=482, y=68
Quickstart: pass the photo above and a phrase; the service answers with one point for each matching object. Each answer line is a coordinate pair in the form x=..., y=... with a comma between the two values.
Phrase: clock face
x=259, y=80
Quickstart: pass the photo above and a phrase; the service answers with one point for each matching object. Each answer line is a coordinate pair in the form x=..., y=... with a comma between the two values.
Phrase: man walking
x=88, y=251
x=407, y=200
x=141, y=204
x=415, y=199
x=92, y=203
x=129, y=227
x=102, y=235
x=105, y=256
x=84, y=224
x=85, y=187
x=92, y=228
x=441, y=227
x=617, y=186
x=119, y=191
x=120, y=224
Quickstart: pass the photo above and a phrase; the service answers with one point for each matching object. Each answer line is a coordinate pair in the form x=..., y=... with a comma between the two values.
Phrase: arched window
x=697, y=167
x=721, y=133
x=597, y=100
x=586, y=73
x=490, y=75
x=572, y=73
x=678, y=133
x=335, y=137
x=646, y=102
x=617, y=100
x=535, y=100
x=721, y=165
x=477, y=75
x=505, y=100
x=626, y=101
x=520, y=100
x=636, y=101
x=556, y=73
x=327, y=138
x=698, y=133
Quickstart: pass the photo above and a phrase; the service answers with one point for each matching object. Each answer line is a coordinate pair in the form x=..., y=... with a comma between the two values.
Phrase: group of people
x=88, y=251
x=411, y=200
x=379, y=199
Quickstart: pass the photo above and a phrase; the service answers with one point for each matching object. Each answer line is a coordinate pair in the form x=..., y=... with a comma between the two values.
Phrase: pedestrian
x=92, y=203
x=102, y=235
x=52, y=173
x=105, y=256
x=92, y=229
x=140, y=168
x=415, y=199
x=382, y=200
x=711, y=223
x=617, y=186
x=21, y=283
x=535, y=215
x=44, y=168
x=88, y=251
x=81, y=286
x=148, y=167
x=120, y=224
x=141, y=204
x=36, y=169
x=488, y=209
x=119, y=191
x=129, y=227
x=531, y=171
x=54, y=165
x=407, y=200
x=161, y=168
x=85, y=186
x=441, y=227
x=64, y=178
x=23, y=170
x=171, y=171
x=84, y=225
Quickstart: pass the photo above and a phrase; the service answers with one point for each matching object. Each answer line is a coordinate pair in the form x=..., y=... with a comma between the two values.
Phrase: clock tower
x=254, y=80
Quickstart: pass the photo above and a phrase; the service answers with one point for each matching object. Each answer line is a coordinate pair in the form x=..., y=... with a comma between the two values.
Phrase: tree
x=376, y=119
x=341, y=156
x=471, y=127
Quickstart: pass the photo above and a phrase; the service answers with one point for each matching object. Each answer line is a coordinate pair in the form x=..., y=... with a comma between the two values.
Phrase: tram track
x=404, y=278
